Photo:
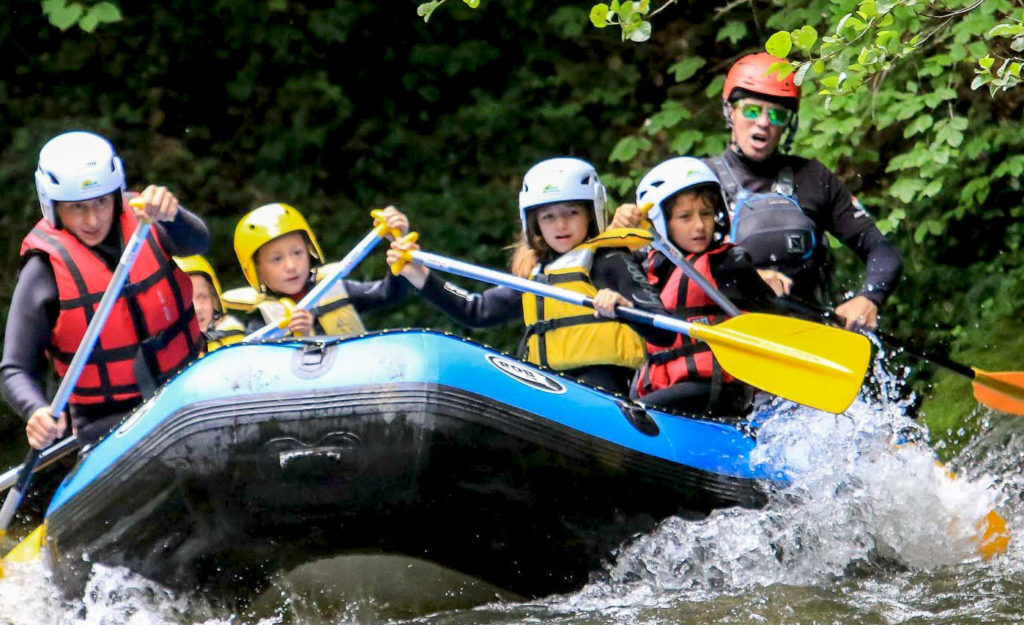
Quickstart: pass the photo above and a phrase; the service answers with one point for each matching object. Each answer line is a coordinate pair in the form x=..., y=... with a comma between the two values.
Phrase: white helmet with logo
x=668, y=178
x=76, y=166
x=562, y=179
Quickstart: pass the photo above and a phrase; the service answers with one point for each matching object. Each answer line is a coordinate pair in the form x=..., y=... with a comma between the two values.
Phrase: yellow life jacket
x=334, y=314
x=226, y=330
x=565, y=336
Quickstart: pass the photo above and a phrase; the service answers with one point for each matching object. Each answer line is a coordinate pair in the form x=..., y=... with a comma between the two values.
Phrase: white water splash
x=862, y=498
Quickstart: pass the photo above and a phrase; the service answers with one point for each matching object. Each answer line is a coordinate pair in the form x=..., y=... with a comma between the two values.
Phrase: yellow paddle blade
x=1002, y=391
x=805, y=362
x=995, y=538
x=28, y=549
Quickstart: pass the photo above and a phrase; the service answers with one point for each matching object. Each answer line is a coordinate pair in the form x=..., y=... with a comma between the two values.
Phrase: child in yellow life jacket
x=218, y=327
x=280, y=258
x=689, y=210
x=561, y=208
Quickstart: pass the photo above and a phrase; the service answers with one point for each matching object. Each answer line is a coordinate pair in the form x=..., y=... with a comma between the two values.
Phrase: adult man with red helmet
x=761, y=112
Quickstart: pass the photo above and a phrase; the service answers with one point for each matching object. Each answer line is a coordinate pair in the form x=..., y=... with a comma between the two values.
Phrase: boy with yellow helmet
x=282, y=260
x=218, y=328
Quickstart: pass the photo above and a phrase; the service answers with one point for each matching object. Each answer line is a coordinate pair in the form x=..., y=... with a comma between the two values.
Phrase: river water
x=870, y=532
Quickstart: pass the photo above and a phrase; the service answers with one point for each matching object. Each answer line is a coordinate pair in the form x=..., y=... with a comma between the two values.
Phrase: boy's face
x=283, y=264
x=89, y=220
x=202, y=300
x=692, y=222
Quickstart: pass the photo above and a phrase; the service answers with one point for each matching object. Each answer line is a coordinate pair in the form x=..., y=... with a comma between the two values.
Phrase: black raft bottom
x=224, y=495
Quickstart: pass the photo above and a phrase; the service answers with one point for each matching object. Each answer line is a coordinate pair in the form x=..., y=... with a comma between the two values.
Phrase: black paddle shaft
x=827, y=314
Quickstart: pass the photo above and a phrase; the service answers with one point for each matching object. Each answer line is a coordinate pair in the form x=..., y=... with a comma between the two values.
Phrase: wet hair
x=710, y=193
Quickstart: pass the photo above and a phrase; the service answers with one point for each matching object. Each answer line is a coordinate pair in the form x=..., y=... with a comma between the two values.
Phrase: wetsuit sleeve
x=884, y=264
x=186, y=235
x=30, y=320
x=478, y=310
x=852, y=225
x=377, y=294
x=740, y=283
x=618, y=270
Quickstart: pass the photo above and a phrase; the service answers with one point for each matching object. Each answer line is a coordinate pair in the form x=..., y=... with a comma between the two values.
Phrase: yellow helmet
x=265, y=224
x=199, y=265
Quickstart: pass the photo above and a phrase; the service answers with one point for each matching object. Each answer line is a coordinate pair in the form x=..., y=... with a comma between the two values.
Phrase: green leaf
x=685, y=69
x=1017, y=44
x=49, y=6
x=885, y=37
x=919, y=125
x=472, y=3
x=715, y=88
x=779, y=44
x=733, y=30
x=641, y=32
x=905, y=189
x=426, y=9
x=980, y=81
x=66, y=17
x=684, y=142
x=986, y=62
x=670, y=115
x=599, y=15
x=628, y=147
x=102, y=13
x=805, y=37
x=1004, y=30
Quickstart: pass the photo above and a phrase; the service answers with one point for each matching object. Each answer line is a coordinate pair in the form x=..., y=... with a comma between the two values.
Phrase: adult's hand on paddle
x=605, y=302
x=414, y=272
x=43, y=429
x=778, y=281
x=157, y=204
x=394, y=219
x=627, y=216
x=858, y=312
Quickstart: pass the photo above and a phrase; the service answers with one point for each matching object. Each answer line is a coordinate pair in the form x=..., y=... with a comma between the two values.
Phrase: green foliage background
x=345, y=106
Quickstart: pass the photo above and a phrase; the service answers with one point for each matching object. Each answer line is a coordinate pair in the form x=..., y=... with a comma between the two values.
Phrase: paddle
x=343, y=268
x=1002, y=391
x=994, y=536
x=805, y=362
x=78, y=362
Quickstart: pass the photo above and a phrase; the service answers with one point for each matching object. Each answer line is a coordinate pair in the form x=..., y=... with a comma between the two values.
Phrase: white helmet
x=562, y=180
x=668, y=178
x=76, y=166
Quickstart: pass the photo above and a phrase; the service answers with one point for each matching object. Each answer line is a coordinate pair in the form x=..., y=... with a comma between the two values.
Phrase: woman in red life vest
x=688, y=210
x=67, y=261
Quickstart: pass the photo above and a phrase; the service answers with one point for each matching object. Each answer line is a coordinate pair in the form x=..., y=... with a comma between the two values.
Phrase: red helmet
x=749, y=73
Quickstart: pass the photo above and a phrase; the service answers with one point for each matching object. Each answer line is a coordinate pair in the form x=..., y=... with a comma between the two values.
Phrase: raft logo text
x=521, y=373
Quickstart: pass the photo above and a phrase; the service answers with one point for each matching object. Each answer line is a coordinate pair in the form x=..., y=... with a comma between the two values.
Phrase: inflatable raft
x=261, y=457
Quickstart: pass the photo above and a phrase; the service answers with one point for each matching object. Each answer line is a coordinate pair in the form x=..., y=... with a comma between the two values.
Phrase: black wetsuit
x=739, y=282
x=613, y=269
x=35, y=307
x=828, y=202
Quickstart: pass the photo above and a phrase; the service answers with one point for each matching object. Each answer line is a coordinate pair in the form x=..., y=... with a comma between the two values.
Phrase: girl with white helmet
x=282, y=260
x=561, y=208
x=68, y=260
x=688, y=209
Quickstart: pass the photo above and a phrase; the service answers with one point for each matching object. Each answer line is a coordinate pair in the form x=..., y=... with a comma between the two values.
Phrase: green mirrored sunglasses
x=777, y=116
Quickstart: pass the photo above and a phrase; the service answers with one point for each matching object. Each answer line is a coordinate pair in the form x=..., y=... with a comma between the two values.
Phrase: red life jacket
x=687, y=359
x=152, y=326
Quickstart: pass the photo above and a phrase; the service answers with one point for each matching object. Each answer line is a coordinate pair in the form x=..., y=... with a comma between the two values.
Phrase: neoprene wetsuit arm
x=883, y=261
x=478, y=310
x=618, y=270
x=186, y=235
x=30, y=320
x=377, y=294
